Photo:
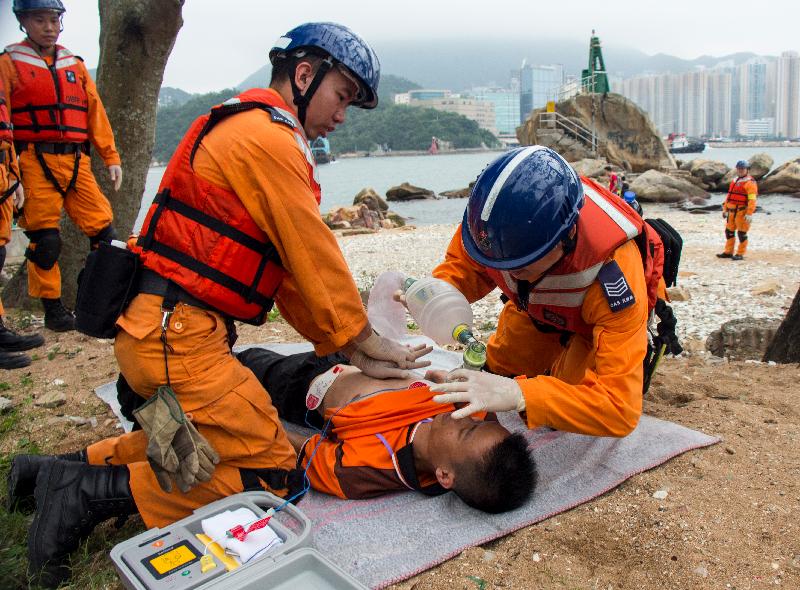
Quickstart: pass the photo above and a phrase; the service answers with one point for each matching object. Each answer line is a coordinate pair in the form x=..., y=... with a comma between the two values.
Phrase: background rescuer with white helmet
x=561, y=249
x=242, y=184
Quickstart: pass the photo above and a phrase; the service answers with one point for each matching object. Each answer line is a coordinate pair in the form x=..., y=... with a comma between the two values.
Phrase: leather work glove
x=480, y=391
x=161, y=417
x=196, y=457
x=748, y=218
x=384, y=358
x=115, y=174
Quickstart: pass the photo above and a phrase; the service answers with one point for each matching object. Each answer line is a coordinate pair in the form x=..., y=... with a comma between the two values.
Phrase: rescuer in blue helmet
x=561, y=249
x=331, y=46
x=235, y=226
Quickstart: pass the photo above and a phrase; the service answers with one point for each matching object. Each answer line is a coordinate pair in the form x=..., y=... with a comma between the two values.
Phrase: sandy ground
x=729, y=519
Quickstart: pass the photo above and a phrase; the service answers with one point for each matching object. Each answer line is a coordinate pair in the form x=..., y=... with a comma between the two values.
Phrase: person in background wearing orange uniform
x=562, y=250
x=243, y=184
x=386, y=436
x=56, y=113
x=12, y=196
x=738, y=210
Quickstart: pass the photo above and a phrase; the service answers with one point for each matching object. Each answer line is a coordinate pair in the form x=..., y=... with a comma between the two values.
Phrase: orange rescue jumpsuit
x=353, y=462
x=592, y=385
x=9, y=174
x=740, y=202
x=86, y=205
x=262, y=163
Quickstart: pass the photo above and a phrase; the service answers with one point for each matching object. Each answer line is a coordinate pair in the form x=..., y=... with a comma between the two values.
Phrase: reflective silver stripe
x=22, y=49
x=63, y=63
x=232, y=101
x=560, y=299
x=609, y=209
x=575, y=280
x=25, y=58
x=64, y=53
x=502, y=177
x=303, y=145
x=510, y=281
x=289, y=116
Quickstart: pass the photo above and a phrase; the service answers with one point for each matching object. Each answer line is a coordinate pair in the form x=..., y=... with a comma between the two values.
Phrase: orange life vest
x=6, y=134
x=49, y=103
x=605, y=223
x=200, y=236
x=737, y=191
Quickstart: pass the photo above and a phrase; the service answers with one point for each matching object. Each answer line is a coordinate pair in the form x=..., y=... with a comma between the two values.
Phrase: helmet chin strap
x=524, y=287
x=302, y=100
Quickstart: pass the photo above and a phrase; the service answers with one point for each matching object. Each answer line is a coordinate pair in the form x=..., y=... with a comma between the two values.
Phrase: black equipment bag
x=673, y=244
x=106, y=285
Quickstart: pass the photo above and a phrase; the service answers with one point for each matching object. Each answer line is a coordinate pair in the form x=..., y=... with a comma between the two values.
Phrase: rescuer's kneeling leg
x=71, y=499
x=21, y=479
x=44, y=277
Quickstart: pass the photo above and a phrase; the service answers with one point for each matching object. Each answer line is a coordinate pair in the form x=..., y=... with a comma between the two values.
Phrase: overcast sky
x=224, y=41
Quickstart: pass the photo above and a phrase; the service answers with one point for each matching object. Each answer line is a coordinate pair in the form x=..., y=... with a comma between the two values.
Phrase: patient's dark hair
x=502, y=480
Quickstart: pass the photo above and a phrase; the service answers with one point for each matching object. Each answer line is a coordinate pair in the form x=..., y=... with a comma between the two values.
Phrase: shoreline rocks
x=654, y=186
x=408, y=192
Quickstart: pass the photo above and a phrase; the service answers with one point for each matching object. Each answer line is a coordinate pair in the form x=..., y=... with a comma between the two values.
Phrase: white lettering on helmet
x=503, y=176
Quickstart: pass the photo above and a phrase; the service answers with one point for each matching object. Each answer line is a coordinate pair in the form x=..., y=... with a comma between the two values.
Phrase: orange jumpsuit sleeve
x=8, y=77
x=321, y=472
x=262, y=163
x=752, y=195
x=100, y=133
x=462, y=272
x=596, y=387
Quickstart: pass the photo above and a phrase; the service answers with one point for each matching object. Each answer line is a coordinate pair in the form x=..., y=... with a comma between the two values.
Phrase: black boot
x=10, y=341
x=11, y=360
x=21, y=478
x=71, y=499
x=57, y=317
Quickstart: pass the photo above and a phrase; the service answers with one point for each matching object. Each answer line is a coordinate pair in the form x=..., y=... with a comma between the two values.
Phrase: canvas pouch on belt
x=106, y=285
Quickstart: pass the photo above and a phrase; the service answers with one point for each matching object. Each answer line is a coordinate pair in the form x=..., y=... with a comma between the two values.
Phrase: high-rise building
x=787, y=99
x=538, y=84
x=719, y=104
x=506, y=107
x=752, y=89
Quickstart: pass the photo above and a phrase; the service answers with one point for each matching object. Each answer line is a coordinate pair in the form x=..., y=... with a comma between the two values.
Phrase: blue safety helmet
x=742, y=164
x=21, y=6
x=344, y=46
x=522, y=205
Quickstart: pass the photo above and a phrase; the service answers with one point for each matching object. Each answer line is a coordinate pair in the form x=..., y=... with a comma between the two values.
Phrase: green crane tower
x=594, y=79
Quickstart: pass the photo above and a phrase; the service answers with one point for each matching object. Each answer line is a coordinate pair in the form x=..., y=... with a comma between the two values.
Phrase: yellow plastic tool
x=217, y=551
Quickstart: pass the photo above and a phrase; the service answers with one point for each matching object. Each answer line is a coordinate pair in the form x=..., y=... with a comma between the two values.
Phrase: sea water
x=343, y=179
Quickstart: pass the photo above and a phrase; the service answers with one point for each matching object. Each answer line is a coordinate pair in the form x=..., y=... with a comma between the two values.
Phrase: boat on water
x=321, y=150
x=678, y=143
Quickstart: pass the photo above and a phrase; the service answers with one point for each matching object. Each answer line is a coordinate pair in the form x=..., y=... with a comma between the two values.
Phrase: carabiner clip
x=165, y=318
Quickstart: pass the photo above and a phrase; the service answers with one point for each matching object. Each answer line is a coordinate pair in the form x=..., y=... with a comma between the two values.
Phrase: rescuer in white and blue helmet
x=577, y=290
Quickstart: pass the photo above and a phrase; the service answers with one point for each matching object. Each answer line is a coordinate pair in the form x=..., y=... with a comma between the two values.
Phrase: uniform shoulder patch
x=277, y=117
x=615, y=287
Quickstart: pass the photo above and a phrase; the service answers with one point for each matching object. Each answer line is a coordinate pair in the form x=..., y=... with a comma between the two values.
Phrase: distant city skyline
x=220, y=45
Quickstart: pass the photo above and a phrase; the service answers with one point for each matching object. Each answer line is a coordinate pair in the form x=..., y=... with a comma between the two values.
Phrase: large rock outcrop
x=784, y=179
x=656, y=187
x=742, y=339
x=708, y=172
x=370, y=198
x=408, y=192
x=627, y=137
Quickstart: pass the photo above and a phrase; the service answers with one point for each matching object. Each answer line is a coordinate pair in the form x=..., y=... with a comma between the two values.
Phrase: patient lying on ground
x=387, y=435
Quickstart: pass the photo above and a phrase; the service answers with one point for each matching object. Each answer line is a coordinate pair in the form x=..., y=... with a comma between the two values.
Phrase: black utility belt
x=44, y=147
x=152, y=283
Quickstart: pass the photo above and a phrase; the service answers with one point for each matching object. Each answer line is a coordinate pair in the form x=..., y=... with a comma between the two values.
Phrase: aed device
x=173, y=558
